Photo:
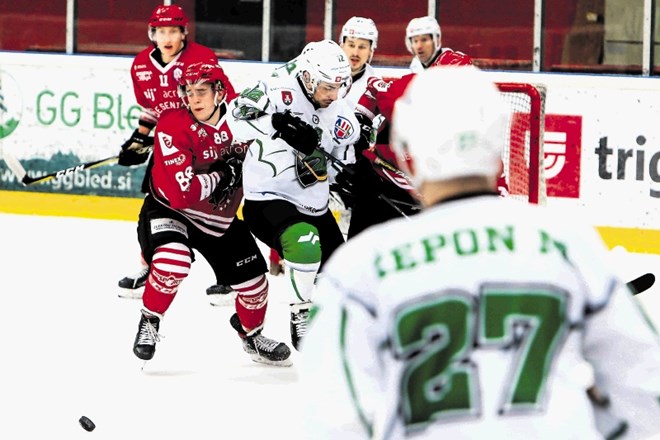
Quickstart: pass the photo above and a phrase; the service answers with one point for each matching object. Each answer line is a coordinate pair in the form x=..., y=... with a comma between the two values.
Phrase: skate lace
x=148, y=333
x=301, y=327
x=262, y=343
x=300, y=322
x=141, y=274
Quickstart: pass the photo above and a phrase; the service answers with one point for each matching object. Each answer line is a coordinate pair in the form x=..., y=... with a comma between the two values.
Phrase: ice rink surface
x=66, y=343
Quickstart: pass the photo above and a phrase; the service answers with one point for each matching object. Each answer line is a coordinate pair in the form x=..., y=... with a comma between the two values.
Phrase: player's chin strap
x=217, y=106
x=214, y=110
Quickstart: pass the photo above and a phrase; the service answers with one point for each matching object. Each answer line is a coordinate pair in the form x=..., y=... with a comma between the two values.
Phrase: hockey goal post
x=523, y=148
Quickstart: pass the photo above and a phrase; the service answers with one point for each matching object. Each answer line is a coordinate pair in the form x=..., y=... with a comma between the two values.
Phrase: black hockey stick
x=27, y=180
x=642, y=283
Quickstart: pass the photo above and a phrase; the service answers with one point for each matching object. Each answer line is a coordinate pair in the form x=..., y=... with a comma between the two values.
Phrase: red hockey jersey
x=155, y=86
x=184, y=150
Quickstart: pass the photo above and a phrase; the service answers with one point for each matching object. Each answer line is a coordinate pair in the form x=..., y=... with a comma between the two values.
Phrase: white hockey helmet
x=433, y=141
x=423, y=26
x=360, y=27
x=325, y=61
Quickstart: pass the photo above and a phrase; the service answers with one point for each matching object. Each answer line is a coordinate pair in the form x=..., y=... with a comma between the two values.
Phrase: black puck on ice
x=87, y=424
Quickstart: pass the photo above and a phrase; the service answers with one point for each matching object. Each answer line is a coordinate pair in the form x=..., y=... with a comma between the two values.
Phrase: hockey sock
x=251, y=302
x=301, y=247
x=169, y=267
x=274, y=257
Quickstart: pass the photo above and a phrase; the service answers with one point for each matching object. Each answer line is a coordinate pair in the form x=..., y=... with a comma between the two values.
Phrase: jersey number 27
x=436, y=338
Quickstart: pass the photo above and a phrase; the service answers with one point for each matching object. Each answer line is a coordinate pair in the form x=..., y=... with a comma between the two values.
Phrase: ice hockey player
x=359, y=39
x=424, y=42
x=195, y=192
x=377, y=193
x=460, y=325
x=155, y=72
x=300, y=124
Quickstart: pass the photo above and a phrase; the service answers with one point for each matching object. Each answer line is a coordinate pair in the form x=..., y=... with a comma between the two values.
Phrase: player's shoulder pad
x=450, y=57
x=377, y=85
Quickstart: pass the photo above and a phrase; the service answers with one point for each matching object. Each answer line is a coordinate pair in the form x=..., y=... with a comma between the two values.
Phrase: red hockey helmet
x=203, y=72
x=168, y=15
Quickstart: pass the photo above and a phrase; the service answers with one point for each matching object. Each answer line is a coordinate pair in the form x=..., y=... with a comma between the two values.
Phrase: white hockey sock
x=302, y=278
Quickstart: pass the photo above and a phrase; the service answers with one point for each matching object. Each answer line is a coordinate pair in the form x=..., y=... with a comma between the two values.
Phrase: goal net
x=523, y=154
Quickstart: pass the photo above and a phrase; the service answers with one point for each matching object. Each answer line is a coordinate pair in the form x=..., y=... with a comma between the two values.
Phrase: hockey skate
x=299, y=317
x=220, y=295
x=147, y=335
x=132, y=286
x=260, y=348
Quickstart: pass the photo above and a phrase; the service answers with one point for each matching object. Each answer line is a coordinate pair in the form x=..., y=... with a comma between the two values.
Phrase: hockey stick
x=27, y=180
x=642, y=283
x=12, y=163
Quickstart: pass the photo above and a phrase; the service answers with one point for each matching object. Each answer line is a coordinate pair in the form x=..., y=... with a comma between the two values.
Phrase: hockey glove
x=295, y=132
x=366, y=129
x=136, y=149
x=251, y=103
x=358, y=179
x=346, y=180
x=231, y=172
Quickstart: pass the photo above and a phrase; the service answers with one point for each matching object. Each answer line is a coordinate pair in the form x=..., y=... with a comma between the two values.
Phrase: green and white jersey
x=275, y=170
x=482, y=317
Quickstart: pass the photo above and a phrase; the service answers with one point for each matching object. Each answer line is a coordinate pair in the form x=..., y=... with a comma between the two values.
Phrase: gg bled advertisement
x=601, y=141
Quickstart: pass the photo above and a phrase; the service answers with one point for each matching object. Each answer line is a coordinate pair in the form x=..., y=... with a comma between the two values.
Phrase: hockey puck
x=87, y=424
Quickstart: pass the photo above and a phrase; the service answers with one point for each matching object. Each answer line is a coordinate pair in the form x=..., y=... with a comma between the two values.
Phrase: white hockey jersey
x=271, y=165
x=471, y=320
x=359, y=86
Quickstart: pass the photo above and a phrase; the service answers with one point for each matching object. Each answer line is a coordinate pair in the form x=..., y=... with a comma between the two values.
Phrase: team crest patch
x=343, y=128
x=287, y=97
x=166, y=145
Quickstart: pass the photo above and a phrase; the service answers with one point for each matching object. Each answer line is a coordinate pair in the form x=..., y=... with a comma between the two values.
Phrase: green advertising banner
x=81, y=110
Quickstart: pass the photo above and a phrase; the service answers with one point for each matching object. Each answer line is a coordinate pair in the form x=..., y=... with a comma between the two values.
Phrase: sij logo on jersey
x=287, y=97
x=343, y=128
x=166, y=145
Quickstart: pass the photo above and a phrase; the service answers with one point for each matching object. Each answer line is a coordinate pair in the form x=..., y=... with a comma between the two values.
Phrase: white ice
x=66, y=343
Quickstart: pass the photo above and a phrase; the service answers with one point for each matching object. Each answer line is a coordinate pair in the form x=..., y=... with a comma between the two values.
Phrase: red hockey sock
x=169, y=267
x=251, y=302
x=274, y=256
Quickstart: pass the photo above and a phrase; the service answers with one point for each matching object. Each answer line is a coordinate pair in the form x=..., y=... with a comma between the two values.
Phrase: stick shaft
x=27, y=180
